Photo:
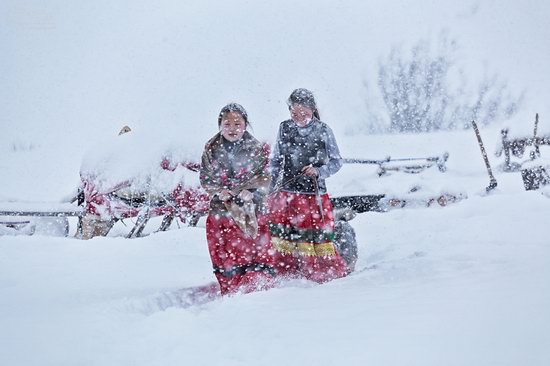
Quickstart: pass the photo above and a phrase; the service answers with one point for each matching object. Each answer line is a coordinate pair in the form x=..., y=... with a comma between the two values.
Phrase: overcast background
x=75, y=72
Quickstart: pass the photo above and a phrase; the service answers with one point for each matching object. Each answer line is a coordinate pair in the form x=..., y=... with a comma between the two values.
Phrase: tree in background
x=427, y=91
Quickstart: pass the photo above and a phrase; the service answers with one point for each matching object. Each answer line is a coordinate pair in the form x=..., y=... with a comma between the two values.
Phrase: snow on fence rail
x=40, y=209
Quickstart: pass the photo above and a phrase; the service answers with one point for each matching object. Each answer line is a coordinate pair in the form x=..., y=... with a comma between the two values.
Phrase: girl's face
x=300, y=114
x=233, y=126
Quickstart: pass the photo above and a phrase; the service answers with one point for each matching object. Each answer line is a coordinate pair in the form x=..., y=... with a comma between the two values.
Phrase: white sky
x=72, y=69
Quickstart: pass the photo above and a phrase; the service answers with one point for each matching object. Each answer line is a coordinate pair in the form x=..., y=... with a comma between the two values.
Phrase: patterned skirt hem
x=305, y=249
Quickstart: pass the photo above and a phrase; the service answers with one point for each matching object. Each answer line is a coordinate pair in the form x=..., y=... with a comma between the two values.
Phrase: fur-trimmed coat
x=235, y=167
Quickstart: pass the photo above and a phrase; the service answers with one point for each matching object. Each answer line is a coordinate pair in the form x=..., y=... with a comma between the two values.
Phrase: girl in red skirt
x=301, y=220
x=234, y=172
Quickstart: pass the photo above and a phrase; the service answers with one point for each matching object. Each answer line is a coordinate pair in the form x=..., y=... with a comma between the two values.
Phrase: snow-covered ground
x=466, y=284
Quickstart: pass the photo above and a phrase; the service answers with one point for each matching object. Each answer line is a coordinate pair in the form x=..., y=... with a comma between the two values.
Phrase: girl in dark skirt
x=234, y=172
x=300, y=219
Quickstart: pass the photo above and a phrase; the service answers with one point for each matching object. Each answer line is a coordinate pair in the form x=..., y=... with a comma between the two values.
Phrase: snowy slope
x=463, y=285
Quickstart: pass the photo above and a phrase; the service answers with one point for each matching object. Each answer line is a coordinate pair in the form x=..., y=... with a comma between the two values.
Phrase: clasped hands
x=245, y=195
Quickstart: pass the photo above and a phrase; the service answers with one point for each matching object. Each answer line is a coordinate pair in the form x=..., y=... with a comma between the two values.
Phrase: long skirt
x=241, y=263
x=302, y=230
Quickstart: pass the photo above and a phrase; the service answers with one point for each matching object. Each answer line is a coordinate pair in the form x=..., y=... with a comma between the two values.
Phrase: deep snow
x=463, y=285
x=466, y=284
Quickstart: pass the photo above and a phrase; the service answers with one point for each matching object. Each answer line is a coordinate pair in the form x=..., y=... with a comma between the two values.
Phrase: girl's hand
x=246, y=195
x=225, y=195
x=310, y=171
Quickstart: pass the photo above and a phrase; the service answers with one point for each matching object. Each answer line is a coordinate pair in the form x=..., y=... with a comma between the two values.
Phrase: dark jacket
x=297, y=147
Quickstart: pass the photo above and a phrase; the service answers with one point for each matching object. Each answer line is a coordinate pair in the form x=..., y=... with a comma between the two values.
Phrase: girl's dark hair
x=304, y=97
x=233, y=107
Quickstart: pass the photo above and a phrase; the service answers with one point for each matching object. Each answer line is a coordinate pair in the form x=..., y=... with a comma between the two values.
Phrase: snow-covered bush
x=136, y=158
x=425, y=90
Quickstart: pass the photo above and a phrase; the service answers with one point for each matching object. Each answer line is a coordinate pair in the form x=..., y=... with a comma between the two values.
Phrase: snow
x=79, y=72
x=136, y=157
x=465, y=284
x=39, y=207
x=523, y=126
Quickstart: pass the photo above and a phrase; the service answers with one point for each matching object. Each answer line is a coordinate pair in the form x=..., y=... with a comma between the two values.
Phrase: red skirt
x=241, y=263
x=302, y=230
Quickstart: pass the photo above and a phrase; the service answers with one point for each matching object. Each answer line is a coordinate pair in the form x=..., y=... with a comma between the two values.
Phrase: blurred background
x=73, y=73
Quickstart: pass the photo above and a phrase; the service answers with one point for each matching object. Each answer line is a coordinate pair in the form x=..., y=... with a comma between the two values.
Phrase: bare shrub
x=425, y=90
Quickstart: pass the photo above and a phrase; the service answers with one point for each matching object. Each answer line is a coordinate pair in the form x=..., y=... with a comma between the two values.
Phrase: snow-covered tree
x=425, y=90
